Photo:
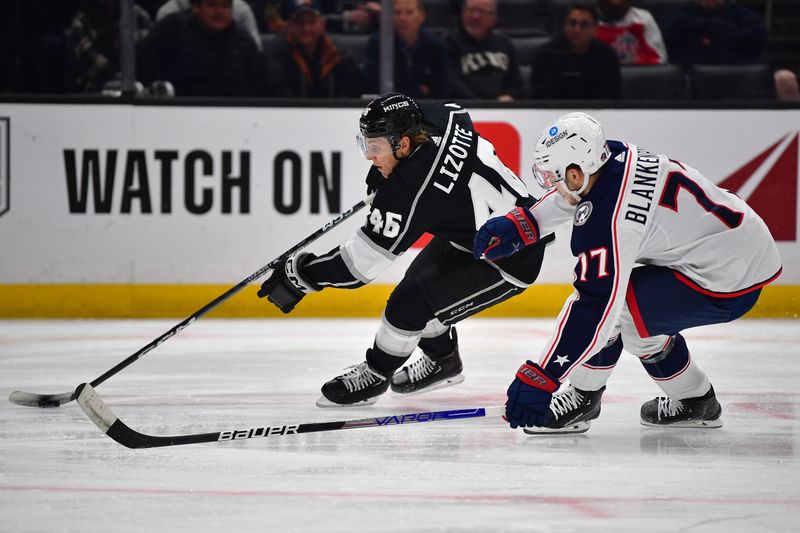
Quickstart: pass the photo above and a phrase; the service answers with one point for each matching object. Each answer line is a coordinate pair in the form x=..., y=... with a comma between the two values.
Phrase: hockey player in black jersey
x=433, y=173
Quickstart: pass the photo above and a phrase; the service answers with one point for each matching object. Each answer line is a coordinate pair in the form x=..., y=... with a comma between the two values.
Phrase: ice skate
x=360, y=385
x=700, y=412
x=571, y=411
x=427, y=374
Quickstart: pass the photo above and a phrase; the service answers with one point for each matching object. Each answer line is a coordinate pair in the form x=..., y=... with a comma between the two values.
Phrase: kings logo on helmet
x=392, y=107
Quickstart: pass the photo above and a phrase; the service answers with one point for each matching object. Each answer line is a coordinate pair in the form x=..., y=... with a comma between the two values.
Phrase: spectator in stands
x=786, y=86
x=33, y=45
x=632, y=32
x=574, y=64
x=715, y=32
x=314, y=66
x=723, y=32
x=483, y=63
x=242, y=15
x=420, y=58
x=203, y=53
x=93, y=44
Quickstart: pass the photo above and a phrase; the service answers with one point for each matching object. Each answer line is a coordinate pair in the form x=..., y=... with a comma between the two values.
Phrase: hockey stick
x=30, y=399
x=99, y=413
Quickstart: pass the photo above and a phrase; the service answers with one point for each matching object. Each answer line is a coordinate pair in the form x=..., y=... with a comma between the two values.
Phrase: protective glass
x=545, y=178
x=373, y=146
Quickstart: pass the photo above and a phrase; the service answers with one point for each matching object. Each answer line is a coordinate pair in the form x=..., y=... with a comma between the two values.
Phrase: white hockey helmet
x=573, y=139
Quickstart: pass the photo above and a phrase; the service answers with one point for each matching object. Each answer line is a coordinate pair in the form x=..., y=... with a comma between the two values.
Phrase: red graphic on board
x=775, y=197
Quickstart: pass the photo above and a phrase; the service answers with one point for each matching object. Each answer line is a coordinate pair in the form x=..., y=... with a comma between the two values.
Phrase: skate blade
x=326, y=403
x=691, y=424
x=449, y=382
x=577, y=427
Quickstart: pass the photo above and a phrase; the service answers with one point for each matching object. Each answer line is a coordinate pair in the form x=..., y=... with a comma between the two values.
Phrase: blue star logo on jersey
x=583, y=213
x=562, y=359
x=553, y=131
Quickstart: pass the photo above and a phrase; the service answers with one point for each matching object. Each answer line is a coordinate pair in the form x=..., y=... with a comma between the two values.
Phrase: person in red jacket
x=632, y=32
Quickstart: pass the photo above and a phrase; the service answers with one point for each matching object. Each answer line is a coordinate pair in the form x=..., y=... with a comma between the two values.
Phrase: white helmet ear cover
x=573, y=139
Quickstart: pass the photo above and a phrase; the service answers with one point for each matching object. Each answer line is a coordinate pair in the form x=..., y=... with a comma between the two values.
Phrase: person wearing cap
x=315, y=67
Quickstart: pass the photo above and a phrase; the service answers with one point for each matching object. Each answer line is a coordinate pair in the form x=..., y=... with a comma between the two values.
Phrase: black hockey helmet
x=390, y=114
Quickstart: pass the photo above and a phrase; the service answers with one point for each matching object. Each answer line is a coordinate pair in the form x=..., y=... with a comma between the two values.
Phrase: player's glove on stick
x=500, y=237
x=529, y=396
x=286, y=286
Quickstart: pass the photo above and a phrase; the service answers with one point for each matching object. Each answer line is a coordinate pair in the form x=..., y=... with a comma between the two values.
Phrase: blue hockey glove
x=285, y=286
x=500, y=237
x=529, y=396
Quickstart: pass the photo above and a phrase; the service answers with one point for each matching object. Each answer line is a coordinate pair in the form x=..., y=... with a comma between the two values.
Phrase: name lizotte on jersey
x=454, y=158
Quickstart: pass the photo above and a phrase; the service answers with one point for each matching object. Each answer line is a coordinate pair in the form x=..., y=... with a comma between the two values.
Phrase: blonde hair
x=420, y=137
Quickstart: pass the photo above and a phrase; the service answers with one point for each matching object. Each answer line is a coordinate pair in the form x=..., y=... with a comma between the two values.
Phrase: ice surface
x=58, y=472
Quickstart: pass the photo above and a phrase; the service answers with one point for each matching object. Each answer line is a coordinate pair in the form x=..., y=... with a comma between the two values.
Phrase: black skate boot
x=429, y=373
x=700, y=412
x=360, y=385
x=571, y=411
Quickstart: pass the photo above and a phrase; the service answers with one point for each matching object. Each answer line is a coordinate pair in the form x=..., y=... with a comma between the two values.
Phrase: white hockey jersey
x=646, y=209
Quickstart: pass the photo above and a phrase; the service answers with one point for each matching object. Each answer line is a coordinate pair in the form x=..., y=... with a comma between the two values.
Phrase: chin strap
x=576, y=195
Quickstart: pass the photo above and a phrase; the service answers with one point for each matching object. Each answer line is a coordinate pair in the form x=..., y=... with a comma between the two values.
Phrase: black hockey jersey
x=448, y=187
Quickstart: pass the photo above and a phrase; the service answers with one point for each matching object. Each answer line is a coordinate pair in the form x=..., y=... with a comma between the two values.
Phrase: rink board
x=162, y=301
x=150, y=211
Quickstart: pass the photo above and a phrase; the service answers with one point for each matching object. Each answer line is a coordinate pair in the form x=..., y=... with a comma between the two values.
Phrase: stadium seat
x=526, y=48
x=526, y=71
x=521, y=18
x=653, y=82
x=660, y=9
x=714, y=82
x=355, y=43
x=440, y=14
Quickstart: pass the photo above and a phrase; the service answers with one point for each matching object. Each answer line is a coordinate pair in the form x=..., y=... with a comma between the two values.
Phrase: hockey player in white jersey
x=432, y=172
x=660, y=248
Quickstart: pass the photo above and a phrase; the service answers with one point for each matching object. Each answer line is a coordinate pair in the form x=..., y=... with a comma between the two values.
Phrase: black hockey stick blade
x=99, y=413
x=32, y=399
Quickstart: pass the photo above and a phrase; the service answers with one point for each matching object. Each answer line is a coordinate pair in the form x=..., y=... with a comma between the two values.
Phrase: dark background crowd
x=500, y=50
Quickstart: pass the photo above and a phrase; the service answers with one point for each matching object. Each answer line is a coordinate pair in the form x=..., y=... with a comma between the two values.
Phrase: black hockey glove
x=286, y=286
